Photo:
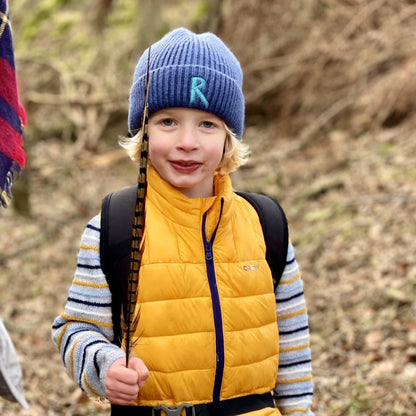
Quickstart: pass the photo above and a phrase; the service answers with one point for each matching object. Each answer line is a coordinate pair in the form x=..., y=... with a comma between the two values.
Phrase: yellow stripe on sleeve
x=294, y=380
x=87, y=247
x=289, y=412
x=90, y=284
x=291, y=315
x=89, y=386
x=63, y=332
x=89, y=321
x=285, y=282
x=72, y=359
x=298, y=347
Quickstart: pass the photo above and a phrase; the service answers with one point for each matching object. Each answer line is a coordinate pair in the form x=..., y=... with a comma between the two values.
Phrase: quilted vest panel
x=177, y=333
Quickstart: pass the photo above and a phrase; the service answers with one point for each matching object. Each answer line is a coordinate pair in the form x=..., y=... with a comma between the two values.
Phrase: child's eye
x=208, y=124
x=167, y=122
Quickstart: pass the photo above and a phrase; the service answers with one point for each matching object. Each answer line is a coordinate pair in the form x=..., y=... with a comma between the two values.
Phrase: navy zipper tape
x=216, y=306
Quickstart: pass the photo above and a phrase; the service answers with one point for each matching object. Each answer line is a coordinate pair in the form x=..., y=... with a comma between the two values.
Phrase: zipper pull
x=208, y=251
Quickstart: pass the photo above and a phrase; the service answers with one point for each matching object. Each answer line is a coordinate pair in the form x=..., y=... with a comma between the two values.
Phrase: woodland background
x=330, y=88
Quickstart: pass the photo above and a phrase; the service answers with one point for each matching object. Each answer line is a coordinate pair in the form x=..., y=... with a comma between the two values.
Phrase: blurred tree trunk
x=212, y=18
x=99, y=11
x=151, y=26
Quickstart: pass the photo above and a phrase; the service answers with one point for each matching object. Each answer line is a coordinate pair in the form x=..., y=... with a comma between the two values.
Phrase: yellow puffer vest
x=207, y=328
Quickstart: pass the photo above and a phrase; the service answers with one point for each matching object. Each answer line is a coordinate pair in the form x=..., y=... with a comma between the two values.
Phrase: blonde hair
x=235, y=154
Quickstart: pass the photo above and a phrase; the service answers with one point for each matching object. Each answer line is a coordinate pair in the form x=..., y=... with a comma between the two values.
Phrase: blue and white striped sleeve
x=83, y=332
x=294, y=388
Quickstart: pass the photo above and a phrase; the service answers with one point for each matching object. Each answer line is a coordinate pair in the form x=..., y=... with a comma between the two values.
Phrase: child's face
x=186, y=147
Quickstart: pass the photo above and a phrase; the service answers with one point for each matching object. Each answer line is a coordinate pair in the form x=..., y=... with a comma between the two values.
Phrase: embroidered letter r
x=197, y=84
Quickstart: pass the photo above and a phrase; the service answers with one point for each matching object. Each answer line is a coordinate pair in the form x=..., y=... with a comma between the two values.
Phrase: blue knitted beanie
x=193, y=71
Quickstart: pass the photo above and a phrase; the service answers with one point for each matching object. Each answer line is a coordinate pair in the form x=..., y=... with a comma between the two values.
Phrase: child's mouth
x=184, y=166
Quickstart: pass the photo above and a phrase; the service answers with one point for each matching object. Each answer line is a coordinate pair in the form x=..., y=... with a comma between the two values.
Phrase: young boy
x=212, y=336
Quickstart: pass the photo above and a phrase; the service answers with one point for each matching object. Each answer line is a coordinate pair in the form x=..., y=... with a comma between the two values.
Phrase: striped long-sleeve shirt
x=83, y=332
x=294, y=386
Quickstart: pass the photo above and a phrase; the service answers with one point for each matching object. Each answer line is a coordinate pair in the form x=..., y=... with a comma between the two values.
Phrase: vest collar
x=185, y=211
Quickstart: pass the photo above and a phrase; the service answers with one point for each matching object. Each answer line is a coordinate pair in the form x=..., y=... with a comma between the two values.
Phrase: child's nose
x=187, y=138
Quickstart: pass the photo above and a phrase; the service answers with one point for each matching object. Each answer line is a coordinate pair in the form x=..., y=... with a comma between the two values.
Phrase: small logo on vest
x=250, y=267
x=197, y=84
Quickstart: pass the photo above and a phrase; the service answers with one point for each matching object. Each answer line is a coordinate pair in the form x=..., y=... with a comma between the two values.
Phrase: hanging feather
x=129, y=319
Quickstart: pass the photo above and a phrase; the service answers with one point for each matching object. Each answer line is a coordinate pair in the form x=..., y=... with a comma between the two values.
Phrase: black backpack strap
x=117, y=213
x=275, y=230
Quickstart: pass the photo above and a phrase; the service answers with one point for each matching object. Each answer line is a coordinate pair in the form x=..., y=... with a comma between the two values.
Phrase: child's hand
x=122, y=384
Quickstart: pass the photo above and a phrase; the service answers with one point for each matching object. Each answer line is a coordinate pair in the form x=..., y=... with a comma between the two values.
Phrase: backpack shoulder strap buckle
x=173, y=410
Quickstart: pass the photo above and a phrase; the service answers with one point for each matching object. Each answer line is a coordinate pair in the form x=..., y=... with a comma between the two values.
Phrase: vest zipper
x=216, y=305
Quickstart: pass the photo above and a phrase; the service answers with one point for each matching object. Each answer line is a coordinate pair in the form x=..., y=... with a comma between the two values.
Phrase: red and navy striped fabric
x=12, y=113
